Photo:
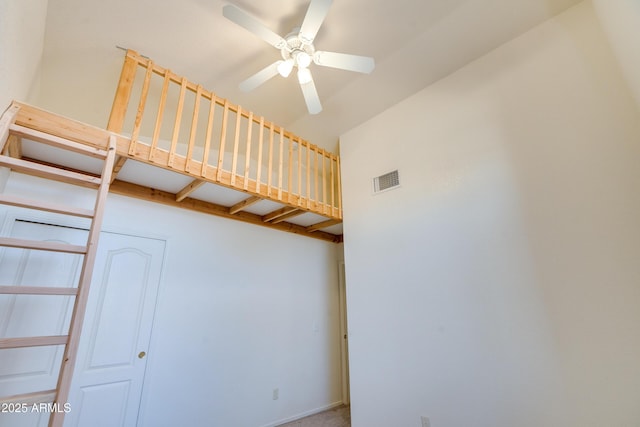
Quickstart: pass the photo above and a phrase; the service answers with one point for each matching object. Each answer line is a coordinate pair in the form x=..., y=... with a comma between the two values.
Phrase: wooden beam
x=193, y=186
x=323, y=224
x=287, y=216
x=237, y=208
x=169, y=199
x=244, y=204
x=117, y=166
x=278, y=213
x=14, y=147
x=44, y=121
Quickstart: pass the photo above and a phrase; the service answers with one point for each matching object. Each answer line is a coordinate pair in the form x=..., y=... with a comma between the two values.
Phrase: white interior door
x=112, y=356
x=108, y=378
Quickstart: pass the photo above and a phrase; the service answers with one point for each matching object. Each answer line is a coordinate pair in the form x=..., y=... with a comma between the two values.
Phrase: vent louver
x=385, y=182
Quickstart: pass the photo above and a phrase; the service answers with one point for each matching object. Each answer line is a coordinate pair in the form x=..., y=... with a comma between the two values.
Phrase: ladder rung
x=43, y=246
x=11, y=200
x=37, y=290
x=33, y=341
x=49, y=172
x=56, y=141
x=31, y=398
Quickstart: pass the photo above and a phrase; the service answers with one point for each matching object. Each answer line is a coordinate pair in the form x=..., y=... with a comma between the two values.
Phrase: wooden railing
x=181, y=126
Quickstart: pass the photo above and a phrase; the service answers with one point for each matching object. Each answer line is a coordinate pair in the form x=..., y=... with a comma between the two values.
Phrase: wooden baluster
x=223, y=137
x=176, y=125
x=270, y=169
x=299, y=172
x=324, y=182
x=161, y=106
x=260, y=141
x=247, y=154
x=141, y=105
x=316, y=178
x=290, y=168
x=333, y=186
x=194, y=127
x=308, y=195
x=281, y=163
x=207, y=139
x=236, y=142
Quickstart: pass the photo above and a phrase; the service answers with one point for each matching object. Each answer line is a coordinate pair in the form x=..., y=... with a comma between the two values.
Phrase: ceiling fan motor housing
x=295, y=47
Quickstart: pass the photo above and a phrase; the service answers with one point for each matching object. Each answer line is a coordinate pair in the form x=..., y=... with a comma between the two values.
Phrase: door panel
x=120, y=304
x=109, y=374
x=92, y=410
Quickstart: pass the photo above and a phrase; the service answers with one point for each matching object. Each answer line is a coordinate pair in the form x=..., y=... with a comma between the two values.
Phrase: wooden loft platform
x=185, y=147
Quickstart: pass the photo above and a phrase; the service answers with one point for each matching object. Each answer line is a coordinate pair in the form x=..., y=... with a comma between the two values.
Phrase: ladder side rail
x=6, y=120
x=75, y=328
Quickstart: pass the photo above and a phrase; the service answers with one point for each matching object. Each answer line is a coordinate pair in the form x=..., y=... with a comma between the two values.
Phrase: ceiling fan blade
x=311, y=97
x=316, y=13
x=260, y=77
x=246, y=21
x=344, y=61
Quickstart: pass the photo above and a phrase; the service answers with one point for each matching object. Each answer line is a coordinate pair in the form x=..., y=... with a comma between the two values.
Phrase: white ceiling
x=414, y=43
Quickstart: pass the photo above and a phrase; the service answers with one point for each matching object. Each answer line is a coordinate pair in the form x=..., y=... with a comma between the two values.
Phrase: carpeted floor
x=338, y=417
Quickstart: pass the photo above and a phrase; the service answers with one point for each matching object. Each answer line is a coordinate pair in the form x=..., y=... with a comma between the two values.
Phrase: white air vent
x=386, y=182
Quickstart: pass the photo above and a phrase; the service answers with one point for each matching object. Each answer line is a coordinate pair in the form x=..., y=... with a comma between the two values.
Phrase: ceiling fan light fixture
x=285, y=67
x=303, y=59
x=304, y=76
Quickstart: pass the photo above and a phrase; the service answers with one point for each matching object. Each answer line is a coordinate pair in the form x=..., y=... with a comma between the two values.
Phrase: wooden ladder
x=60, y=394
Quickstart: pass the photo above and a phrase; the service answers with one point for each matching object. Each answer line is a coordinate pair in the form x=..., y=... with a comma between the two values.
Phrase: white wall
x=499, y=286
x=22, y=26
x=242, y=310
x=83, y=91
x=621, y=22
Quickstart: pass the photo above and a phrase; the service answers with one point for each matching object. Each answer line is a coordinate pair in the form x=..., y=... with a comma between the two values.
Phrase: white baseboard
x=304, y=414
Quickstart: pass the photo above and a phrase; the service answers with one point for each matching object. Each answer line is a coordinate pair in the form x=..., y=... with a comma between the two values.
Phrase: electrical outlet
x=276, y=393
x=425, y=421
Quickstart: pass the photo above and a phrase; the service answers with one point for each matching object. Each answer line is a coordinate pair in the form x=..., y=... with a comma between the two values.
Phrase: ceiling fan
x=298, y=51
